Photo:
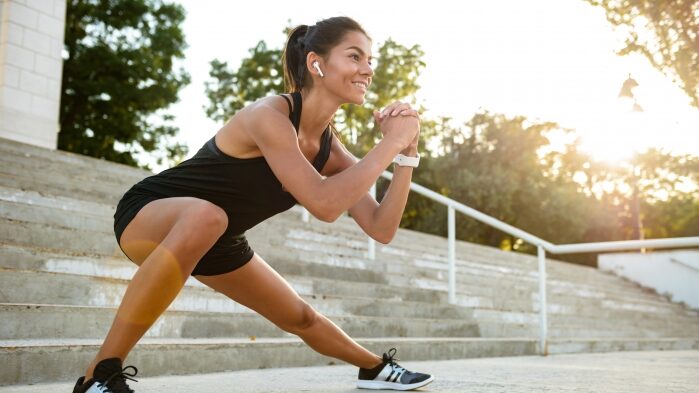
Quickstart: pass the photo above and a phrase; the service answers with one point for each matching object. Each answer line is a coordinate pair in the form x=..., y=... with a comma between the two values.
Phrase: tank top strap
x=324, y=152
x=288, y=103
x=296, y=114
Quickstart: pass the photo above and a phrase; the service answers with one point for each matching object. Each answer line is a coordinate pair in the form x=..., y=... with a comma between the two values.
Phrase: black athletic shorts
x=230, y=252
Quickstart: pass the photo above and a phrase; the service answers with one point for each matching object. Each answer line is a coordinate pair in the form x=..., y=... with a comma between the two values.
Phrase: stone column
x=31, y=43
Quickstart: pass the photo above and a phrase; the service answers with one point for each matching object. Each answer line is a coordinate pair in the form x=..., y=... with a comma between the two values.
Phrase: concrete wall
x=31, y=42
x=672, y=272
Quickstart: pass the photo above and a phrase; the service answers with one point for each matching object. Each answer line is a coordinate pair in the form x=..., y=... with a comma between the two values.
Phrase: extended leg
x=259, y=287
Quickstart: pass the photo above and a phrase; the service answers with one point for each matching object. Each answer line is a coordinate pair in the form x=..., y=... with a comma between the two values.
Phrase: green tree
x=118, y=78
x=666, y=32
x=497, y=166
x=229, y=91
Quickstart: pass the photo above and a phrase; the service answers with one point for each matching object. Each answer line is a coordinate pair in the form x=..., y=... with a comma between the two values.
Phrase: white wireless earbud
x=317, y=67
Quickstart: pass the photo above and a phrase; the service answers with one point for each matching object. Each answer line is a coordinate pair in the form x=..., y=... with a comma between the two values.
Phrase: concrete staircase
x=62, y=276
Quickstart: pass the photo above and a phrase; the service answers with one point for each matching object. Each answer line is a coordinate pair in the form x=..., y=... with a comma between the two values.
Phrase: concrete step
x=38, y=216
x=408, y=242
x=569, y=325
x=60, y=188
x=439, y=259
x=328, y=296
x=48, y=235
x=15, y=257
x=57, y=205
x=24, y=152
x=353, y=243
x=426, y=277
x=61, y=177
x=578, y=345
x=74, y=173
x=567, y=331
x=58, y=261
x=322, y=279
x=33, y=207
x=51, y=236
x=616, y=372
x=66, y=359
x=69, y=289
x=39, y=321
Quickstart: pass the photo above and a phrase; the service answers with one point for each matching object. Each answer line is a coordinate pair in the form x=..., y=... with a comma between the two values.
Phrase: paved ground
x=637, y=372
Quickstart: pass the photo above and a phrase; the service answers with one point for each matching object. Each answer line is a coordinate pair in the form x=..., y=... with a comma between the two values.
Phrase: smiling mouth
x=361, y=85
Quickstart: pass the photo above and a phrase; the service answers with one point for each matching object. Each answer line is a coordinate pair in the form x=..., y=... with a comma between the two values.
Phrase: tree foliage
x=119, y=77
x=229, y=90
x=498, y=166
x=666, y=32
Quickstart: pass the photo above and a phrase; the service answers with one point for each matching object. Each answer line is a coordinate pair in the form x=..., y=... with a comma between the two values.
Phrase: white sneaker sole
x=378, y=385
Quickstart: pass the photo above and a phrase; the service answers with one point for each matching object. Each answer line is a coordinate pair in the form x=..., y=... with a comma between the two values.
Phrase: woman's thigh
x=156, y=219
x=258, y=286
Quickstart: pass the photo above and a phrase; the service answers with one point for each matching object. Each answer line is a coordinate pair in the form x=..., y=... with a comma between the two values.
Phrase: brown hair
x=319, y=38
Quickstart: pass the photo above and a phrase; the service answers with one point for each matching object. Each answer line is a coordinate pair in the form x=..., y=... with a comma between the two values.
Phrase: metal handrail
x=541, y=245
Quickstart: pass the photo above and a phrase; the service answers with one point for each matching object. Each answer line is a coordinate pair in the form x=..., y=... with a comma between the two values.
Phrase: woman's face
x=348, y=70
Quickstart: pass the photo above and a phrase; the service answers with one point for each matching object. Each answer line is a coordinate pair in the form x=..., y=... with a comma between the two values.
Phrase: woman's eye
x=355, y=57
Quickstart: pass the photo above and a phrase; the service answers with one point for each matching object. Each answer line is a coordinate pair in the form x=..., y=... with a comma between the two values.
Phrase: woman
x=190, y=219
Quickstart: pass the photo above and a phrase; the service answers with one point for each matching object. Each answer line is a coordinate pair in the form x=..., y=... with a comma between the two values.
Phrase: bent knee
x=207, y=218
x=305, y=317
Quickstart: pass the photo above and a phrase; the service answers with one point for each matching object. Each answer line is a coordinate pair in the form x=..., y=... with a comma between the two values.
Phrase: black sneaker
x=389, y=375
x=108, y=377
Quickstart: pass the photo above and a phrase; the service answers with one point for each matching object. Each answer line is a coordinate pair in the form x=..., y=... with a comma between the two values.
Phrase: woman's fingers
x=387, y=110
x=409, y=112
x=394, y=109
x=398, y=109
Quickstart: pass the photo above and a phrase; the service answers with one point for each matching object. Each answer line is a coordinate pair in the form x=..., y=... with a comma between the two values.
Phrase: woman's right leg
x=167, y=238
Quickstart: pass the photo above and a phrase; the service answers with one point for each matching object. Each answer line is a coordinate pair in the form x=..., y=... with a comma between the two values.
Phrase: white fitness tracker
x=402, y=160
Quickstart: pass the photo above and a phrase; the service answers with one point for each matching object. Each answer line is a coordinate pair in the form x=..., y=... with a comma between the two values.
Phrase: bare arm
x=381, y=221
x=326, y=198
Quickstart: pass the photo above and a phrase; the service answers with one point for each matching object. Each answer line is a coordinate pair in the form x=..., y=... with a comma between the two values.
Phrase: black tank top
x=246, y=188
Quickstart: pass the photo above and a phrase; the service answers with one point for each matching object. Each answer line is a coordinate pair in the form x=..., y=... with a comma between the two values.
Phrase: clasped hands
x=401, y=122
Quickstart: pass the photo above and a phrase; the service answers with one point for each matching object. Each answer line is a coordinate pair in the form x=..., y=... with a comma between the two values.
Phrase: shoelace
x=116, y=383
x=390, y=357
x=396, y=369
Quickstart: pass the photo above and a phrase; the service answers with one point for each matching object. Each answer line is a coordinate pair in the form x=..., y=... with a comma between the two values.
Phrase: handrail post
x=452, y=254
x=543, y=344
x=372, y=243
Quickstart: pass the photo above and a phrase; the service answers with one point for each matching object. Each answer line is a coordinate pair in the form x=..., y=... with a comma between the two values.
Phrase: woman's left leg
x=259, y=287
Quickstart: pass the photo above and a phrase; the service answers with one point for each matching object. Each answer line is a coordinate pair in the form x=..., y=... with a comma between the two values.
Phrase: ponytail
x=294, y=59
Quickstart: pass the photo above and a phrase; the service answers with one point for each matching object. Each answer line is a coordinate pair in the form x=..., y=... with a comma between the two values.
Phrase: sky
x=548, y=60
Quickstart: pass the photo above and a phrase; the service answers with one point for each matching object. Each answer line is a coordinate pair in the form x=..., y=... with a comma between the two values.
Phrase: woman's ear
x=314, y=64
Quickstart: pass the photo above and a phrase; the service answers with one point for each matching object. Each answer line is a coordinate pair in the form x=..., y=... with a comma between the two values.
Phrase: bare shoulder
x=259, y=110
x=236, y=138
